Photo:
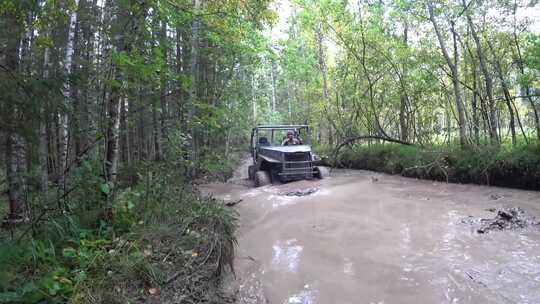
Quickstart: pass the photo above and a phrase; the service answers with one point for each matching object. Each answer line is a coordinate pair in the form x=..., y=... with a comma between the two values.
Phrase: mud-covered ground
x=364, y=237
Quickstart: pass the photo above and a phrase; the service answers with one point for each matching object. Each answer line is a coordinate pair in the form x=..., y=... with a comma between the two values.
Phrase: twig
x=173, y=277
x=232, y=203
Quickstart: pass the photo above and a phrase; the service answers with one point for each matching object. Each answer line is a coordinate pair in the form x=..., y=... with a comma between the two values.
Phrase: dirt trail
x=365, y=237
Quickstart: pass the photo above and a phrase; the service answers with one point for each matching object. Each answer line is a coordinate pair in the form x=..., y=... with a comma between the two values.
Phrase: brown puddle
x=364, y=237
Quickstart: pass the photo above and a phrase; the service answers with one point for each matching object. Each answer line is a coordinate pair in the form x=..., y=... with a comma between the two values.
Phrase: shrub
x=156, y=228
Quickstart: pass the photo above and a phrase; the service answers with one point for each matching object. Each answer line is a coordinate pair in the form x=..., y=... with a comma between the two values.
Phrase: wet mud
x=300, y=192
x=396, y=240
x=510, y=218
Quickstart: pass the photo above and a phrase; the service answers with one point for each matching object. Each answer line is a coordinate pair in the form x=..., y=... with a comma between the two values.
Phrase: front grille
x=297, y=160
x=297, y=156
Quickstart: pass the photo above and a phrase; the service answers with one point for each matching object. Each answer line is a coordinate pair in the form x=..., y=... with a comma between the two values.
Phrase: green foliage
x=87, y=253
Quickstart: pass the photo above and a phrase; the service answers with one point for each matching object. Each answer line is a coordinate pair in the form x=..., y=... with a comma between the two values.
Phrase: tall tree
x=454, y=74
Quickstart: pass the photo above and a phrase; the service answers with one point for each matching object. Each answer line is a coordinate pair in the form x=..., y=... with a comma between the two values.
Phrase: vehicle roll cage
x=255, y=131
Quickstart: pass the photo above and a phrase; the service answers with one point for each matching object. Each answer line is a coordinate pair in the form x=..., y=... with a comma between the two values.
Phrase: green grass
x=517, y=167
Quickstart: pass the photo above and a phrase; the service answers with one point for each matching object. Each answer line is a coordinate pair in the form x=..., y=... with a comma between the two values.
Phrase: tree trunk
x=253, y=101
x=525, y=90
x=43, y=149
x=158, y=154
x=454, y=74
x=506, y=92
x=193, y=96
x=113, y=126
x=163, y=93
x=15, y=157
x=16, y=175
x=114, y=100
x=124, y=132
x=489, y=81
x=273, y=80
x=403, y=123
x=63, y=123
x=475, y=108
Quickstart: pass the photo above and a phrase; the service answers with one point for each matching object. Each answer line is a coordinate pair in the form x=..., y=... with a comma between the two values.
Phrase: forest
x=112, y=110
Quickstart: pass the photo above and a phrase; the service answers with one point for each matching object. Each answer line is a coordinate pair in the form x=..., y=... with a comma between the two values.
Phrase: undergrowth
x=156, y=241
x=516, y=167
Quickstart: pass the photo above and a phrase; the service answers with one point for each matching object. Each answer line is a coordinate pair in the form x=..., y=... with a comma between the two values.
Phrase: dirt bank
x=366, y=237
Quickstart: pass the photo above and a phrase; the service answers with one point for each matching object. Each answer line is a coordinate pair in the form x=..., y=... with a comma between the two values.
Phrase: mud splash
x=396, y=240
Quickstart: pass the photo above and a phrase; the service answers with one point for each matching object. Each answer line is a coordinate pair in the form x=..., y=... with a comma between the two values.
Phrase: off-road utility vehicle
x=275, y=162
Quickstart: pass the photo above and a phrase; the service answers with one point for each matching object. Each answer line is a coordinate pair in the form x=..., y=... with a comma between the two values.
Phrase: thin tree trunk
x=273, y=80
x=158, y=154
x=253, y=100
x=403, y=123
x=43, y=149
x=124, y=132
x=114, y=102
x=163, y=94
x=63, y=122
x=506, y=92
x=193, y=96
x=113, y=126
x=525, y=90
x=489, y=82
x=475, y=108
x=454, y=73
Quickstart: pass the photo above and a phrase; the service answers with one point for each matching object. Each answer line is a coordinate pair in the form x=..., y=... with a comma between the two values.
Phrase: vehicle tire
x=251, y=172
x=262, y=178
x=321, y=172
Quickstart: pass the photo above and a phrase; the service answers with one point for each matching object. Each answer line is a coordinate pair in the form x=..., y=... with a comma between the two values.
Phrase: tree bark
x=403, y=100
x=454, y=74
x=525, y=89
x=63, y=123
x=506, y=92
x=163, y=91
x=124, y=132
x=493, y=123
x=114, y=100
x=15, y=157
x=43, y=149
x=193, y=96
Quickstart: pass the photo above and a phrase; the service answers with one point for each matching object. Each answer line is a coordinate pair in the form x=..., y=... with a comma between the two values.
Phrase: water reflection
x=287, y=254
x=348, y=266
x=306, y=296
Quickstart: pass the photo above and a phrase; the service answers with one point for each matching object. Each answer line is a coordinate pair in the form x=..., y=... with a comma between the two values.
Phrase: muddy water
x=364, y=237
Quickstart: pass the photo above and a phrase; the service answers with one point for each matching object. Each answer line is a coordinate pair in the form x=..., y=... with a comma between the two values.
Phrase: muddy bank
x=367, y=237
x=518, y=167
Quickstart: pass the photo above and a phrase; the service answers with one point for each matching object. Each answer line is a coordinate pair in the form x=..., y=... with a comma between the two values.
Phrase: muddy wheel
x=262, y=178
x=251, y=172
x=321, y=172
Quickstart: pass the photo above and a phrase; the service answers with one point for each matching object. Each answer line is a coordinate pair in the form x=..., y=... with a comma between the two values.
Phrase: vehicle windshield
x=276, y=137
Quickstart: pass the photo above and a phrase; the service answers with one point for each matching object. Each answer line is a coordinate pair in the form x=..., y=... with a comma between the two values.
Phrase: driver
x=290, y=139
